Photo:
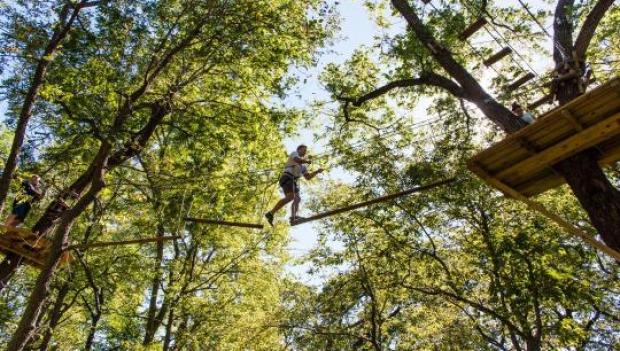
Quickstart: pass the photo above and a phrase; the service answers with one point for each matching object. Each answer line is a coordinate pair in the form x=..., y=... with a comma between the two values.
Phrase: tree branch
x=425, y=79
x=563, y=31
x=589, y=27
x=472, y=89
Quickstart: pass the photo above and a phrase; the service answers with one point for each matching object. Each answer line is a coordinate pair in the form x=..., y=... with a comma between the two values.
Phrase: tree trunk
x=27, y=323
x=168, y=336
x=88, y=345
x=152, y=321
x=54, y=316
x=60, y=33
x=598, y=197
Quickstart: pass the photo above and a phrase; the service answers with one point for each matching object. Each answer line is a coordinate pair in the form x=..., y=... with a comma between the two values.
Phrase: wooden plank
x=31, y=257
x=123, y=242
x=508, y=150
x=519, y=82
x=548, y=133
x=508, y=159
x=23, y=242
x=375, y=201
x=547, y=99
x=572, y=120
x=226, y=223
x=535, y=206
x=556, y=129
x=594, y=103
x=580, y=141
x=497, y=56
x=540, y=183
x=528, y=146
x=472, y=28
x=598, y=108
x=553, y=128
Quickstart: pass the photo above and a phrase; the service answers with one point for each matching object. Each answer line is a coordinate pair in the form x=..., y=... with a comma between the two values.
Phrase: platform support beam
x=538, y=207
x=572, y=120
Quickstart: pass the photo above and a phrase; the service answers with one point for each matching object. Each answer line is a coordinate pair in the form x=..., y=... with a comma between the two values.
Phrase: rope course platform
x=521, y=165
x=225, y=223
x=523, y=160
x=23, y=242
x=374, y=201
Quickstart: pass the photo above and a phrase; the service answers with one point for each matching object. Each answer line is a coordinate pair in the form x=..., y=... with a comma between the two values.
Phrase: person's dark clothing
x=24, y=200
x=288, y=183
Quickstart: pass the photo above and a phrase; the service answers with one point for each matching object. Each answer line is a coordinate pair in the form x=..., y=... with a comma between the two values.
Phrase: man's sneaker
x=294, y=220
x=269, y=217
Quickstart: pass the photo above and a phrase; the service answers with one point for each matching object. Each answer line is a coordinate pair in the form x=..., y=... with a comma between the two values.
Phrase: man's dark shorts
x=288, y=184
x=20, y=210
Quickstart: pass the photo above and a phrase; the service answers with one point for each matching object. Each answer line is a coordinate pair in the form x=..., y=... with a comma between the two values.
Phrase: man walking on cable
x=293, y=170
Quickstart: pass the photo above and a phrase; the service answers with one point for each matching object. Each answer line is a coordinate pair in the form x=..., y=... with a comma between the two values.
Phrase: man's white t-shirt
x=294, y=168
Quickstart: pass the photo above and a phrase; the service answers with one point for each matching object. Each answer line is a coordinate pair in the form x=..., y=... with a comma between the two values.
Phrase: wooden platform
x=22, y=242
x=523, y=160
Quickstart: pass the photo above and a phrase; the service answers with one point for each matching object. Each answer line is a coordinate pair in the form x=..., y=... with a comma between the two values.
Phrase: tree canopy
x=138, y=114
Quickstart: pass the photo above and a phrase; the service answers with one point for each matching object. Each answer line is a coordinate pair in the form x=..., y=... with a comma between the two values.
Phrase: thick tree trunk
x=27, y=323
x=598, y=197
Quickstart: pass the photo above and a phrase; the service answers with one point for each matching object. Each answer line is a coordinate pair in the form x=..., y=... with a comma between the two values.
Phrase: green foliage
x=216, y=288
x=456, y=268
